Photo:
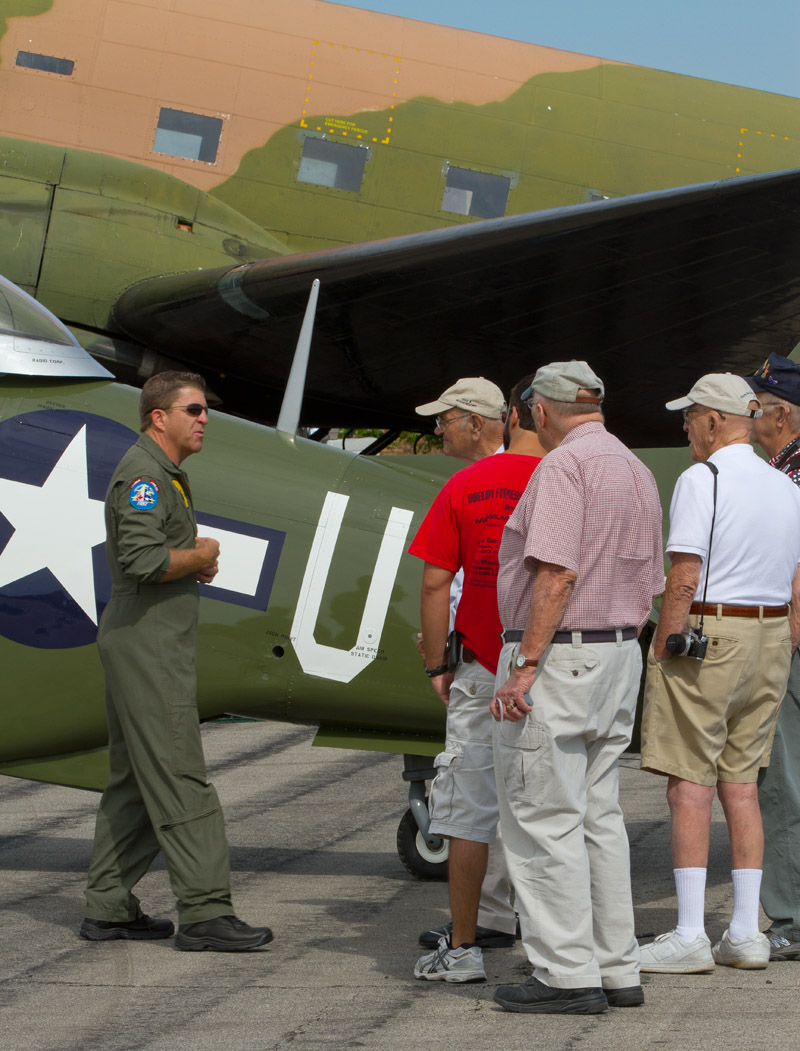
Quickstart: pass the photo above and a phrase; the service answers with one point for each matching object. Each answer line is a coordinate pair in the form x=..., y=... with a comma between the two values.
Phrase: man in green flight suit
x=157, y=796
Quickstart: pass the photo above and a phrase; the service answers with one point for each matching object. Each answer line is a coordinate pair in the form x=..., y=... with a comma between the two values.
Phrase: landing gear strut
x=424, y=855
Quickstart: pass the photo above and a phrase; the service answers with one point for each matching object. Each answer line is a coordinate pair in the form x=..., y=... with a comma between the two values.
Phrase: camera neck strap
x=715, y=471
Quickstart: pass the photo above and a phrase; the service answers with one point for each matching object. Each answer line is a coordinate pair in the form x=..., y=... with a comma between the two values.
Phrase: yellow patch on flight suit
x=179, y=487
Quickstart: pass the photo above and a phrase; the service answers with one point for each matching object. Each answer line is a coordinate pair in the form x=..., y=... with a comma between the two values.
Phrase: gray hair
x=792, y=410
x=564, y=409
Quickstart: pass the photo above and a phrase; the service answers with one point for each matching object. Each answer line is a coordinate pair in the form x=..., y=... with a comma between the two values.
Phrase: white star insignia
x=56, y=525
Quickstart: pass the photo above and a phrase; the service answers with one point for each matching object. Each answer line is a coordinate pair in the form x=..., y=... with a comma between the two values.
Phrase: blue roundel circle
x=55, y=466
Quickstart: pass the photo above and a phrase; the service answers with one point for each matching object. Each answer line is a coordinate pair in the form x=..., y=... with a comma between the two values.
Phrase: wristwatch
x=432, y=673
x=525, y=662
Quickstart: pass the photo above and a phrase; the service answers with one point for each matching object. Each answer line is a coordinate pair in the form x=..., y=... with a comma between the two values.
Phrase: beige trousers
x=563, y=830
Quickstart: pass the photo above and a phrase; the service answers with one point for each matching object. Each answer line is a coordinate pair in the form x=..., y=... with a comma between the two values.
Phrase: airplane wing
x=653, y=290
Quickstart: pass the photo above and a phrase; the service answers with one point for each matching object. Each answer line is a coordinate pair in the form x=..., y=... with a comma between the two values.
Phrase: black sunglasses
x=195, y=409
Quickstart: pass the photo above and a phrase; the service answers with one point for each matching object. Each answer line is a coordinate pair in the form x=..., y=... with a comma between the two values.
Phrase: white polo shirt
x=756, y=546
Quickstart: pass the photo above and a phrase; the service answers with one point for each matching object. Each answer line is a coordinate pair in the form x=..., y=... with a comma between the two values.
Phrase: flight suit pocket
x=186, y=746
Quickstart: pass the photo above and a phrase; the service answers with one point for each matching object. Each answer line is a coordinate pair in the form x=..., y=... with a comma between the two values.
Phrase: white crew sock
x=690, y=885
x=746, y=888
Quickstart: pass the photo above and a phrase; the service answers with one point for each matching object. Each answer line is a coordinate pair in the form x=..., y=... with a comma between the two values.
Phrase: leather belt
x=602, y=635
x=466, y=655
x=711, y=608
x=605, y=635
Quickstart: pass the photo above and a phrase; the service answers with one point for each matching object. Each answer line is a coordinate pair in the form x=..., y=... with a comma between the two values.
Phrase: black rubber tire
x=416, y=855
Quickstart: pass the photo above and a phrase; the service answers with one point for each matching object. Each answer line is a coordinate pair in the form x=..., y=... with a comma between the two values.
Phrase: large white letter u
x=327, y=661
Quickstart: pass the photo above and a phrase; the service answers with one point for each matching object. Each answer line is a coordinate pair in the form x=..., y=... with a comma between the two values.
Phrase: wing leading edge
x=653, y=290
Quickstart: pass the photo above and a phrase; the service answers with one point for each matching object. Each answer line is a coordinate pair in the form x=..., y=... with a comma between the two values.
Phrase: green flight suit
x=157, y=797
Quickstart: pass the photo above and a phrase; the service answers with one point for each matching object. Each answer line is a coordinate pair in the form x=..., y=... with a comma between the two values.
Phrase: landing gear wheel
x=416, y=855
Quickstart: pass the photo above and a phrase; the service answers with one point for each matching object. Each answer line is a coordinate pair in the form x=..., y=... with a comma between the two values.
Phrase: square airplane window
x=456, y=200
x=189, y=135
x=479, y=194
x=333, y=164
x=47, y=63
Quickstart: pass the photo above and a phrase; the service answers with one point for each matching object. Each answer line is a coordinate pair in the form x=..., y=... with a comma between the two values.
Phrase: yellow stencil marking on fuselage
x=752, y=131
x=335, y=125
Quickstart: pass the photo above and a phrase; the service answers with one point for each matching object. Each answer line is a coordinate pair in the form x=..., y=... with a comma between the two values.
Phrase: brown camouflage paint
x=560, y=125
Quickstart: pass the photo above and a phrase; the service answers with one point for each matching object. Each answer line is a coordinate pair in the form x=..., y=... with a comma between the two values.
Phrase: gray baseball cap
x=474, y=394
x=561, y=381
x=721, y=391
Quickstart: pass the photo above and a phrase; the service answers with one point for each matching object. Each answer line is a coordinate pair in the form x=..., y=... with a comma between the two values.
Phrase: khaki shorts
x=463, y=795
x=712, y=720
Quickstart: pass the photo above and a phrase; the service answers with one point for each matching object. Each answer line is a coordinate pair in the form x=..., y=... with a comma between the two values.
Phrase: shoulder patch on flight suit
x=179, y=487
x=143, y=494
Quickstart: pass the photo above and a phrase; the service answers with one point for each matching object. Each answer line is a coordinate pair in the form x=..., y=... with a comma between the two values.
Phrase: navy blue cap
x=779, y=376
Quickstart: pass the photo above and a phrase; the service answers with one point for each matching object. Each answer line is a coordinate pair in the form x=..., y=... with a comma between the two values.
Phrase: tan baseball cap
x=474, y=394
x=721, y=391
x=561, y=381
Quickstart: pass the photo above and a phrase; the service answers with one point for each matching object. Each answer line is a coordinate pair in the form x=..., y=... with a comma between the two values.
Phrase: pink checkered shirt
x=592, y=507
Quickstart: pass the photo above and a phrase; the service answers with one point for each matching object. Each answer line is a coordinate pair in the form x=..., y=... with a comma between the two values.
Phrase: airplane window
x=468, y=192
x=30, y=60
x=332, y=164
x=189, y=135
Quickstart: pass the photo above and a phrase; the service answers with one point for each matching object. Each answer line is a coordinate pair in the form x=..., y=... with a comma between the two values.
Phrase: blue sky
x=755, y=43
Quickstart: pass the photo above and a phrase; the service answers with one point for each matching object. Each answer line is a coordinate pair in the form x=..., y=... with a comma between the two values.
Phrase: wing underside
x=653, y=290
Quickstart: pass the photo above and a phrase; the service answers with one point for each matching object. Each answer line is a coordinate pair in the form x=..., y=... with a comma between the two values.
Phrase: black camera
x=692, y=644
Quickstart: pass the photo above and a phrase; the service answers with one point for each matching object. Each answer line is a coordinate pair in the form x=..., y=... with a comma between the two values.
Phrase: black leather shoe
x=534, y=997
x=222, y=934
x=144, y=928
x=630, y=996
x=485, y=938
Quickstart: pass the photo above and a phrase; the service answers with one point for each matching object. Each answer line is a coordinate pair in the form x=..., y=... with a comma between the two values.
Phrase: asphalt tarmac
x=312, y=834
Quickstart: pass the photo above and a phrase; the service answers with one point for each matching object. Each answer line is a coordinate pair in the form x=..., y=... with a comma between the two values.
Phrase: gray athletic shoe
x=668, y=954
x=451, y=965
x=781, y=948
x=751, y=953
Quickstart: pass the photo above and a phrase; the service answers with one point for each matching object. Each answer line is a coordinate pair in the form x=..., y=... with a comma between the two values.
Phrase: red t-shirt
x=463, y=528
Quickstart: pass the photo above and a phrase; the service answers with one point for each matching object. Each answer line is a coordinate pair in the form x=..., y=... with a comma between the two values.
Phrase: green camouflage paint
x=21, y=9
x=609, y=130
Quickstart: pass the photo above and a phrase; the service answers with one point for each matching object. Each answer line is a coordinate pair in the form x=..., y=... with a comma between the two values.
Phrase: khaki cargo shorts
x=463, y=795
x=713, y=720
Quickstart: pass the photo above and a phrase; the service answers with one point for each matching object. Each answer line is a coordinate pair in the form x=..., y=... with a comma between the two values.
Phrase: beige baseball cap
x=475, y=394
x=561, y=381
x=721, y=391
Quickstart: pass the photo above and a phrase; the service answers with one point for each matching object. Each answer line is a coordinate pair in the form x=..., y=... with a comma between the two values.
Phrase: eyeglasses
x=699, y=412
x=194, y=409
x=441, y=423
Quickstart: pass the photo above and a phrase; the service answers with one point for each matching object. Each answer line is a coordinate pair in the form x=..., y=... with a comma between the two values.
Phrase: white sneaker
x=668, y=954
x=451, y=965
x=751, y=953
